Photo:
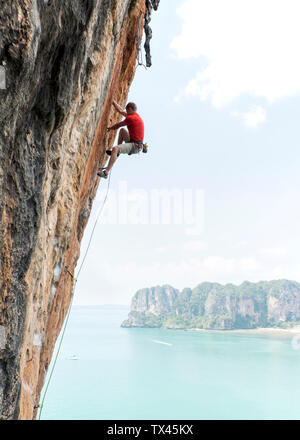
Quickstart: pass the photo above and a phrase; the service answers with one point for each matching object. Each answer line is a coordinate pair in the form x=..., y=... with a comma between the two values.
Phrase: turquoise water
x=129, y=374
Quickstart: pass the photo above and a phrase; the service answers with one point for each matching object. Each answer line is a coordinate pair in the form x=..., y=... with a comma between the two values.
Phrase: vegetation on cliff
x=215, y=306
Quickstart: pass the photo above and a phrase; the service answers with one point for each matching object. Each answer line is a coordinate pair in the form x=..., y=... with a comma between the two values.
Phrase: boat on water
x=161, y=342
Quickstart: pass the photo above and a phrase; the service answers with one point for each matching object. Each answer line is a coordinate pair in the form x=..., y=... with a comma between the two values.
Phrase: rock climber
x=133, y=138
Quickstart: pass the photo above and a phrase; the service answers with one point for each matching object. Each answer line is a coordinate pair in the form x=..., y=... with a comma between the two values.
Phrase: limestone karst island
x=216, y=306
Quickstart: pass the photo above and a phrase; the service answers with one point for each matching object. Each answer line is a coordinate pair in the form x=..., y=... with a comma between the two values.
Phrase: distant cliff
x=62, y=62
x=214, y=306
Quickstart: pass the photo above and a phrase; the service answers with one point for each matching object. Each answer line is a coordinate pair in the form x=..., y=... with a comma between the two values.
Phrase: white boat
x=72, y=358
x=161, y=342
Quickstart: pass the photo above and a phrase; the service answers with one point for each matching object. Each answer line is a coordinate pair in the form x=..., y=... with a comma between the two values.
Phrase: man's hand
x=116, y=126
x=119, y=108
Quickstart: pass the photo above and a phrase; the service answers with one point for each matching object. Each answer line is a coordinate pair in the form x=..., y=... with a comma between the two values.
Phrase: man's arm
x=119, y=109
x=116, y=126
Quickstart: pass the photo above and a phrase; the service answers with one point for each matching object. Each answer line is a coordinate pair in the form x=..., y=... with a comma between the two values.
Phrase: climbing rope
x=41, y=405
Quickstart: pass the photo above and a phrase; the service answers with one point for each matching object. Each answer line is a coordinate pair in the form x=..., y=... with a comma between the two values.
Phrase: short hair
x=131, y=105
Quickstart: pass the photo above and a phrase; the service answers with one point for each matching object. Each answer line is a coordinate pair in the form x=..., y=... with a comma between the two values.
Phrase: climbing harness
x=137, y=143
x=140, y=144
x=75, y=279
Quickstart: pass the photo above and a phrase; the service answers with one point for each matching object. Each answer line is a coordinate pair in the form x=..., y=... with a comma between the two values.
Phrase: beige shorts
x=129, y=148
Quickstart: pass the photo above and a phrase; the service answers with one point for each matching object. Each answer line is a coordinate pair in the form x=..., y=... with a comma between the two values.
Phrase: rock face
x=64, y=62
x=156, y=300
x=213, y=306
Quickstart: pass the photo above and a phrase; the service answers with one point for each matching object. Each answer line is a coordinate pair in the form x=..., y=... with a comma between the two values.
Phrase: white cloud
x=241, y=244
x=194, y=246
x=250, y=47
x=256, y=115
x=112, y=281
x=224, y=267
x=275, y=252
x=186, y=272
x=161, y=249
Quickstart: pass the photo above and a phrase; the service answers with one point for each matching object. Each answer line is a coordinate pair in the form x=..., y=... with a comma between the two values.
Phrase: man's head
x=131, y=108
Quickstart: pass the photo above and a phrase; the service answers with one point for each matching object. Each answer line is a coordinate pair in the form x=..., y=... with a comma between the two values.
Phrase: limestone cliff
x=64, y=61
x=214, y=306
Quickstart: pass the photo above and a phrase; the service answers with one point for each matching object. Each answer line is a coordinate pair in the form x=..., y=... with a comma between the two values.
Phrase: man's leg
x=123, y=136
x=113, y=158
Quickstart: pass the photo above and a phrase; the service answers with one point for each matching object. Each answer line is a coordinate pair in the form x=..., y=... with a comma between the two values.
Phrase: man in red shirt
x=133, y=138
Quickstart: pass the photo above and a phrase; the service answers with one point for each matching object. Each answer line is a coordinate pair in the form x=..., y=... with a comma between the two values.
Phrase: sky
x=216, y=198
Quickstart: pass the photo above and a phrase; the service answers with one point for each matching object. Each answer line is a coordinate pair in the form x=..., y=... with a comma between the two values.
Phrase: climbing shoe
x=102, y=174
x=108, y=152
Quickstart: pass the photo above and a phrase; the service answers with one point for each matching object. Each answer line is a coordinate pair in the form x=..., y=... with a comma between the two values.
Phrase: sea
x=106, y=372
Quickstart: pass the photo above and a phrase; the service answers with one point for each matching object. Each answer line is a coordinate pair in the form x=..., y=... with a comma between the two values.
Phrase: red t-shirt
x=135, y=126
